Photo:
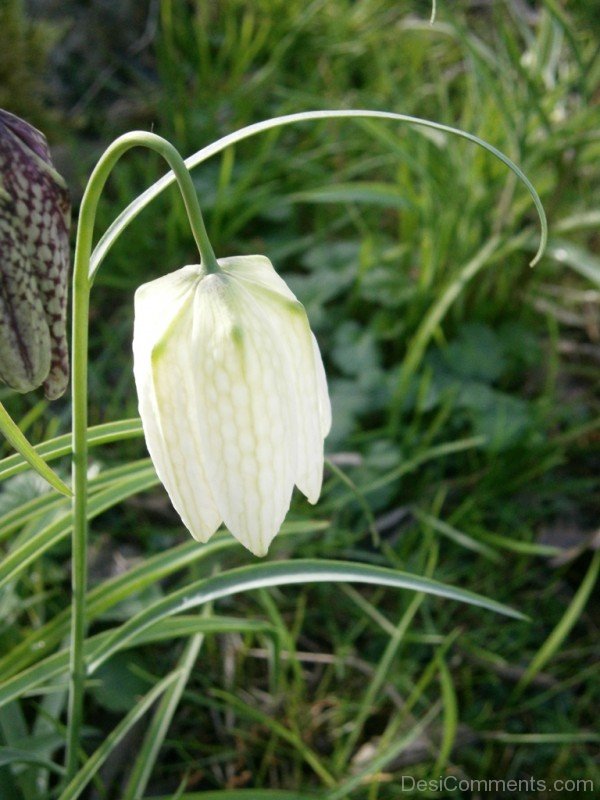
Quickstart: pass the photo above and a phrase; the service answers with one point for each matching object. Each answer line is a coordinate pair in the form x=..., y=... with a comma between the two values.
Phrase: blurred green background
x=465, y=385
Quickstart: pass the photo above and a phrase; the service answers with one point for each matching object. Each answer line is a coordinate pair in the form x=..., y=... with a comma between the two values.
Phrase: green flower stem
x=82, y=283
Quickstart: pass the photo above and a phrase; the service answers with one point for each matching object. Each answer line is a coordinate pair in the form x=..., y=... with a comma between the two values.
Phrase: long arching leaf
x=134, y=208
x=284, y=573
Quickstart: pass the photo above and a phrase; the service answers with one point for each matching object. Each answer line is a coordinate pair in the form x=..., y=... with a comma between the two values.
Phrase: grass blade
x=460, y=538
x=437, y=451
x=544, y=738
x=95, y=761
x=378, y=763
x=30, y=510
x=369, y=698
x=294, y=739
x=134, y=208
x=284, y=573
x=28, y=453
x=61, y=445
x=107, y=594
x=377, y=194
x=56, y=666
x=12, y=755
x=450, y=726
x=163, y=716
x=27, y=552
x=425, y=331
x=562, y=630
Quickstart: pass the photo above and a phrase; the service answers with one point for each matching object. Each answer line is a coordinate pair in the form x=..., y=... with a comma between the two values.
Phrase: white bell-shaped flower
x=232, y=395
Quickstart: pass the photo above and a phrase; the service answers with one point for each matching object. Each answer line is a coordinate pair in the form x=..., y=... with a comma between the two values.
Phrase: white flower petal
x=292, y=331
x=246, y=411
x=233, y=396
x=308, y=384
x=322, y=391
x=309, y=467
x=166, y=392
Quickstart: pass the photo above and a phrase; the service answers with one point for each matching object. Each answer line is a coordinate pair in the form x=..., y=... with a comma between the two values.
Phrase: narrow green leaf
x=460, y=538
x=95, y=761
x=515, y=546
x=437, y=451
x=432, y=319
x=562, y=630
x=30, y=510
x=61, y=445
x=429, y=672
x=378, y=763
x=377, y=194
x=361, y=499
x=107, y=594
x=578, y=221
x=369, y=698
x=23, y=555
x=284, y=573
x=135, y=207
x=450, y=719
x=28, y=453
x=56, y=666
x=13, y=755
x=157, y=730
x=293, y=738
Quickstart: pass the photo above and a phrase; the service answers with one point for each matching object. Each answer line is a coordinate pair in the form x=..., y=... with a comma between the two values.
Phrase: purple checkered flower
x=35, y=215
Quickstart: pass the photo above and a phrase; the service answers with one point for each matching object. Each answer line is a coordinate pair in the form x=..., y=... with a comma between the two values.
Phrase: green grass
x=466, y=415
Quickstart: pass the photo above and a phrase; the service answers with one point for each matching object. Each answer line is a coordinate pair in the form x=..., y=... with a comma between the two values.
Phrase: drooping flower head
x=34, y=262
x=232, y=395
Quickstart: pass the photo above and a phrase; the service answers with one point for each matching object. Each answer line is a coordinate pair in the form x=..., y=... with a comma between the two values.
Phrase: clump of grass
x=24, y=48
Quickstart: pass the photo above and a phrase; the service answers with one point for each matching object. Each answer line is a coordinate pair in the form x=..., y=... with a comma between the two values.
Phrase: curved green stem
x=82, y=282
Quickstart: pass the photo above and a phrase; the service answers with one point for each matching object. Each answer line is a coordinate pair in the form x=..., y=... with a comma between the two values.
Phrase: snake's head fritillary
x=232, y=395
x=35, y=217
